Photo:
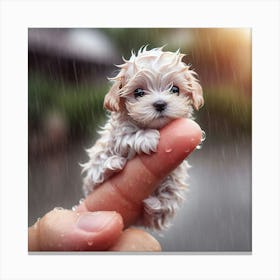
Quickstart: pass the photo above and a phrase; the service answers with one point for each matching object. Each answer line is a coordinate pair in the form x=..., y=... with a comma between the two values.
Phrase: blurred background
x=67, y=81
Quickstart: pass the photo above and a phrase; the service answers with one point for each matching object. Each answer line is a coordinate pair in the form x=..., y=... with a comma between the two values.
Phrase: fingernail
x=96, y=221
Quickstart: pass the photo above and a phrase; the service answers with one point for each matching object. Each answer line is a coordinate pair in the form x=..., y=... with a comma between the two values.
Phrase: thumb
x=65, y=230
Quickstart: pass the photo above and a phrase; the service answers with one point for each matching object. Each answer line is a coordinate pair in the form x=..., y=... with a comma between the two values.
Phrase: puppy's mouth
x=160, y=121
x=162, y=115
x=162, y=118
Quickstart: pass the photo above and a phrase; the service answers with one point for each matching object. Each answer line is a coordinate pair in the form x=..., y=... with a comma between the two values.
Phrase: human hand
x=101, y=222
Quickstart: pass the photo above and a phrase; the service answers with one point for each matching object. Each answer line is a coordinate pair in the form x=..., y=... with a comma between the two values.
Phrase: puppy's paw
x=156, y=216
x=146, y=141
x=152, y=205
x=114, y=163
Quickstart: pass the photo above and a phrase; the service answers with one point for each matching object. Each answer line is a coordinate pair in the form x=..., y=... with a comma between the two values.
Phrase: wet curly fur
x=151, y=89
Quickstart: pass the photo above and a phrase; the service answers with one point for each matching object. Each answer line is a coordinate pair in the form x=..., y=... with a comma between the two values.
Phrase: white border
x=262, y=16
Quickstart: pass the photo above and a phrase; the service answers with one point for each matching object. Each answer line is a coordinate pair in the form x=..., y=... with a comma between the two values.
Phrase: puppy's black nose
x=160, y=105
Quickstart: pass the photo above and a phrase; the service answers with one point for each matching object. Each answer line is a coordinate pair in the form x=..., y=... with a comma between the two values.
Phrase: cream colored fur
x=133, y=125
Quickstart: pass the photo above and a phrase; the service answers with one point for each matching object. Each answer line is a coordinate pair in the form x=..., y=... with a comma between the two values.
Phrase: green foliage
x=227, y=102
x=40, y=97
x=81, y=106
x=128, y=39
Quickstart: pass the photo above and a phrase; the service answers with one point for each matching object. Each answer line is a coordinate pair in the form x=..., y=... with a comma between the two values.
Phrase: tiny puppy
x=151, y=89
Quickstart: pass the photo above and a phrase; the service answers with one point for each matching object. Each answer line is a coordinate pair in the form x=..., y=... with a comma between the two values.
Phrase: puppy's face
x=154, y=88
x=155, y=107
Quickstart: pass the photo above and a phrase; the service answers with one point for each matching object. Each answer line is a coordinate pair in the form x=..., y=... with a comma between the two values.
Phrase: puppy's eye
x=174, y=90
x=139, y=92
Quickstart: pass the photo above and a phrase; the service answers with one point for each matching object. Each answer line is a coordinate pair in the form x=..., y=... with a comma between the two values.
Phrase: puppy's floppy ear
x=193, y=88
x=112, y=99
x=197, y=95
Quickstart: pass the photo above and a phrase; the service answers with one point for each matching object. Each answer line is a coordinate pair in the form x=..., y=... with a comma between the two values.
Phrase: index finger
x=125, y=191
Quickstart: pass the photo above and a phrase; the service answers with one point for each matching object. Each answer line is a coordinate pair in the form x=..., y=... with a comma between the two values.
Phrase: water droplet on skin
x=203, y=135
x=62, y=235
x=81, y=200
x=58, y=208
x=36, y=224
x=168, y=150
x=90, y=243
